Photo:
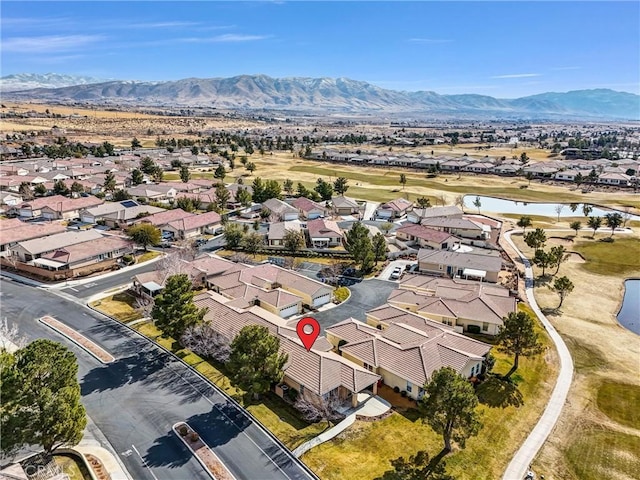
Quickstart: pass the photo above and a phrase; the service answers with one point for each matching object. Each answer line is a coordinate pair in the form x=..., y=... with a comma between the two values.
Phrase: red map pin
x=308, y=330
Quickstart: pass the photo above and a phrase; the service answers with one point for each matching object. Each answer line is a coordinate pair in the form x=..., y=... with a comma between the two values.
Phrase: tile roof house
x=277, y=231
x=425, y=237
x=194, y=225
x=33, y=208
x=324, y=233
x=461, y=227
x=69, y=208
x=467, y=265
x=280, y=210
x=455, y=302
x=28, y=250
x=309, y=209
x=394, y=209
x=21, y=232
x=417, y=215
x=314, y=374
x=342, y=205
x=84, y=254
x=165, y=217
x=405, y=349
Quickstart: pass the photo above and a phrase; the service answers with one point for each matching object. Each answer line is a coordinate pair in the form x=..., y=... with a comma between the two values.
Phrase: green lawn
x=72, y=467
x=364, y=451
x=121, y=306
x=147, y=256
x=620, y=402
x=604, y=455
x=601, y=258
x=280, y=418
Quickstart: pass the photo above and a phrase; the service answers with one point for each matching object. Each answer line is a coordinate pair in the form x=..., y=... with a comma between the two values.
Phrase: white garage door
x=321, y=300
x=49, y=215
x=287, y=312
x=87, y=218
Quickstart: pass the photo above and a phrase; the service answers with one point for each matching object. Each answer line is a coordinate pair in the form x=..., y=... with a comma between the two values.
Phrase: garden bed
x=203, y=453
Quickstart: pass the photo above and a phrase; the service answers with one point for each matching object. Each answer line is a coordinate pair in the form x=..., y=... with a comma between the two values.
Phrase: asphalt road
x=135, y=400
x=101, y=284
x=365, y=296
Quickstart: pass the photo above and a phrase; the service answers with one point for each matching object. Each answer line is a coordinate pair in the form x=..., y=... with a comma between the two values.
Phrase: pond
x=498, y=205
x=629, y=314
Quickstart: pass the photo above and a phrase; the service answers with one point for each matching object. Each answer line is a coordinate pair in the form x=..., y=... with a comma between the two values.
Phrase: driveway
x=384, y=275
x=365, y=296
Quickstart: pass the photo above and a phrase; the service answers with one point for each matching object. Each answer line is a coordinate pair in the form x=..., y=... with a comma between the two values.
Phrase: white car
x=396, y=274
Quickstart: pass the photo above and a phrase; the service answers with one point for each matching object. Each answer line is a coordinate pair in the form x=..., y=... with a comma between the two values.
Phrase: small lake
x=629, y=314
x=498, y=205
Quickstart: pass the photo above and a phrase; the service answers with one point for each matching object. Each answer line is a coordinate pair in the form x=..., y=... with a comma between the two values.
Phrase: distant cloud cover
x=455, y=47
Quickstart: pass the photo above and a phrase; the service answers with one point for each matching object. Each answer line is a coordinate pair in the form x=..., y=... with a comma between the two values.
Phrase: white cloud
x=235, y=37
x=164, y=24
x=49, y=43
x=518, y=75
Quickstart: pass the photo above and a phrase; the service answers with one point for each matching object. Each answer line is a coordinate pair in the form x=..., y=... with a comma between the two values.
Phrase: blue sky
x=502, y=49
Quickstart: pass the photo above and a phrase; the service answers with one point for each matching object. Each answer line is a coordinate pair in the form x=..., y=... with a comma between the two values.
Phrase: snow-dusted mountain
x=27, y=81
x=336, y=94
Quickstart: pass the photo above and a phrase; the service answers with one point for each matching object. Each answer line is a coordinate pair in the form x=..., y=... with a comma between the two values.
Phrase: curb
x=75, y=341
x=224, y=394
x=174, y=427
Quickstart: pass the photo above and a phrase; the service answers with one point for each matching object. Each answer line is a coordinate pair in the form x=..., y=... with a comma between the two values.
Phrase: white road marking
x=74, y=289
x=126, y=453
x=144, y=462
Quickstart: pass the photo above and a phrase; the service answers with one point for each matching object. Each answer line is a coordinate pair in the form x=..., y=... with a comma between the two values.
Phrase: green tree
x=517, y=337
x=417, y=467
x=185, y=174
x=524, y=158
x=185, y=203
x=324, y=189
x=595, y=223
x=288, y=186
x=272, y=189
x=135, y=143
x=77, y=188
x=524, y=222
x=358, y=244
x=233, y=235
x=379, y=245
x=258, y=190
x=25, y=191
x=252, y=242
x=386, y=227
x=449, y=407
x=251, y=167
x=255, y=361
x=40, y=190
x=144, y=234
x=340, y=186
x=423, y=202
x=614, y=220
x=573, y=207
x=173, y=310
x=477, y=203
x=60, y=188
x=587, y=209
x=578, y=180
x=195, y=150
x=222, y=197
x=109, y=184
x=220, y=173
x=403, y=180
x=536, y=239
x=558, y=255
x=563, y=287
x=542, y=260
x=147, y=165
x=293, y=241
x=243, y=197
x=41, y=398
x=529, y=177
x=576, y=225
x=120, y=195
x=137, y=177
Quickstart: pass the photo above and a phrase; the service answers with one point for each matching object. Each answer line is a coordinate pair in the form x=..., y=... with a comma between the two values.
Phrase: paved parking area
x=384, y=275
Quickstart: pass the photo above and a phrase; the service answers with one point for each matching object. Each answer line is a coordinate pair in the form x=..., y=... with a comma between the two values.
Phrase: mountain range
x=318, y=94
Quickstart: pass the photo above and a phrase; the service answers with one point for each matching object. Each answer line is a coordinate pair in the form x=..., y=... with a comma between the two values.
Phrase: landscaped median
x=203, y=453
x=79, y=339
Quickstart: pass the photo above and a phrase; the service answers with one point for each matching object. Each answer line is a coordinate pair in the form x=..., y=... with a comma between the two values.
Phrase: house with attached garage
x=194, y=225
x=460, y=227
x=406, y=349
x=394, y=209
x=324, y=233
x=460, y=264
x=69, y=208
x=342, y=205
x=278, y=230
x=418, y=215
x=612, y=178
x=425, y=237
x=280, y=211
x=14, y=231
x=29, y=250
x=309, y=209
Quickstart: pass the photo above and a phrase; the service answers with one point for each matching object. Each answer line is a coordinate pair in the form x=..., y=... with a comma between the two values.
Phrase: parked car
x=396, y=274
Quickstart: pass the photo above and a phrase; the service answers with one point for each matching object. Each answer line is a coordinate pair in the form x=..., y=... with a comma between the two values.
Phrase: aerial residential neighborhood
x=319, y=241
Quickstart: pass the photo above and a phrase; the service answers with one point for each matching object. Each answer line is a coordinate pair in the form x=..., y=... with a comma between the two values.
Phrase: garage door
x=49, y=215
x=321, y=300
x=287, y=312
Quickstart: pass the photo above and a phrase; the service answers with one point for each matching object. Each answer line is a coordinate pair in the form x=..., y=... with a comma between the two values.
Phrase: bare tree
x=319, y=409
x=10, y=337
x=173, y=264
x=144, y=305
x=205, y=341
x=558, y=209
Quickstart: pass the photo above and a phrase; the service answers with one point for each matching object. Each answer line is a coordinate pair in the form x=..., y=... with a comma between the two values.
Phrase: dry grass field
x=598, y=434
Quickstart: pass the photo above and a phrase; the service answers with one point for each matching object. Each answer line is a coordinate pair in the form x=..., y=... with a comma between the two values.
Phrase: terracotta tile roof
x=90, y=249
x=344, y=202
x=321, y=228
x=425, y=233
x=196, y=221
x=488, y=263
x=397, y=205
x=9, y=223
x=278, y=206
x=72, y=204
x=29, y=231
x=448, y=222
x=59, y=240
x=306, y=205
x=163, y=218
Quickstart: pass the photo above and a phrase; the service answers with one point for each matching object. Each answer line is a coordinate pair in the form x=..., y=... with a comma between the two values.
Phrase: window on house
x=409, y=386
x=485, y=326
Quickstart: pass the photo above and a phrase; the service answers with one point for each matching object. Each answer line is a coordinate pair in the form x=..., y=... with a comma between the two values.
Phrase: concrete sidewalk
x=369, y=407
x=519, y=465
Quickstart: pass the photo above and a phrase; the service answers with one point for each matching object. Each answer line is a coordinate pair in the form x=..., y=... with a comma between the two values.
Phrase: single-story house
x=309, y=209
x=460, y=264
x=406, y=349
x=425, y=237
x=277, y=231
x=194, y=225
x=417, y=215
x=33, y=208
x=163, y=218
x=69, y=208
x=394, y=209
x=461, y=227
x=28, y=250
x=342, y=205
x=22, y=232
x=84, y=254
x=280, y=210
x=611, y=178
x=324, y=233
